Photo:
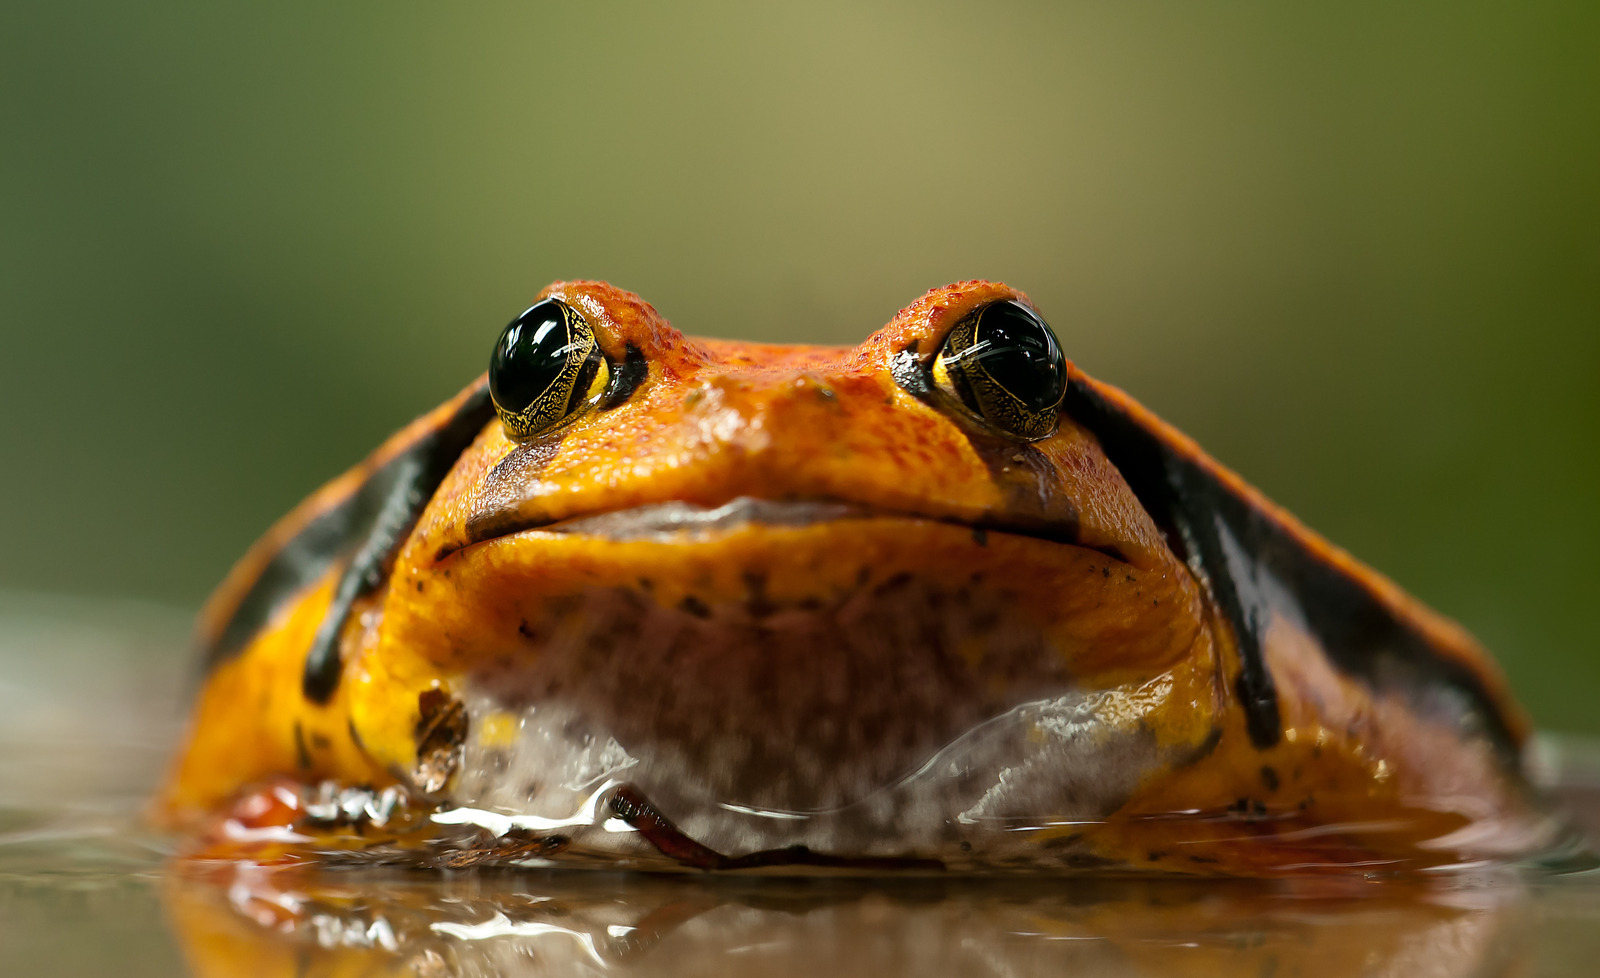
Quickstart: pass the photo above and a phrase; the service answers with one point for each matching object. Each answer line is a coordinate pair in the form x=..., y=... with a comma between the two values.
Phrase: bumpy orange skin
x=1356, y=777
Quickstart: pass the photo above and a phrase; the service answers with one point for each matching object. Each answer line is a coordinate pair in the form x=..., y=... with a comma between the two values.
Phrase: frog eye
x=1004, y=363
x=546, y=366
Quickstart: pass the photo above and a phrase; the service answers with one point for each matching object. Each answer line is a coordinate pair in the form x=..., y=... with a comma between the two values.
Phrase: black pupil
x=530, y=356
x=1019, y=351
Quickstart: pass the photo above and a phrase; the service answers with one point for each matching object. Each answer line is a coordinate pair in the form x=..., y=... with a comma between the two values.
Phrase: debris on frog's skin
x=441, y=731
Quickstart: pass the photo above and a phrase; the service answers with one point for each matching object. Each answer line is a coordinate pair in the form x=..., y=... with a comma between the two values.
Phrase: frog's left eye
x=546, y=366
x=1004, y=363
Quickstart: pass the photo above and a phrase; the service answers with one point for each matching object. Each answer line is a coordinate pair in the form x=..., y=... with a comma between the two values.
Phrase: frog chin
x=756, y=689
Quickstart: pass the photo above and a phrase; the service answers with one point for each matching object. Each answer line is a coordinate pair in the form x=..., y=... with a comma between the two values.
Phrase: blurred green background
x=1354, y=250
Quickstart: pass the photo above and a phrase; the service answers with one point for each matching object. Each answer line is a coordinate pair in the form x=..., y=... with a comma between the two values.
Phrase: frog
x=939, y=602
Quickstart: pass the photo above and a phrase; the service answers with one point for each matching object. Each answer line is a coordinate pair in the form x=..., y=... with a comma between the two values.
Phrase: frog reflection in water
x=939, y=602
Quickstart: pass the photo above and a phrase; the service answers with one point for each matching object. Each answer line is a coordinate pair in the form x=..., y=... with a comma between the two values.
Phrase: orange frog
x=936, y=602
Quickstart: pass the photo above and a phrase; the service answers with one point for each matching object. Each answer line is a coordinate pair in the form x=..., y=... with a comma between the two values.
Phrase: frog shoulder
x=1259, y=563
x=338, y=522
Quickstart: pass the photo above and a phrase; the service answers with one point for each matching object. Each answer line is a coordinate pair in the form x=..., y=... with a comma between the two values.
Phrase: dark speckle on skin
x=980, y=536
x=694, y=606
x=302, y=756
x=1084, y=860
x=1063, y=842
x=895, y=582
x=1269, y=777
x=756, y=601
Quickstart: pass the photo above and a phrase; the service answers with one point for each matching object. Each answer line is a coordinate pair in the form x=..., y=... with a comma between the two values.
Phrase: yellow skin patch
x=491, y=587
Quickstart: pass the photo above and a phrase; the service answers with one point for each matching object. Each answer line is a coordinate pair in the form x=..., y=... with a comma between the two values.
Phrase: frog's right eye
x=1005, y=365
x=545, y=368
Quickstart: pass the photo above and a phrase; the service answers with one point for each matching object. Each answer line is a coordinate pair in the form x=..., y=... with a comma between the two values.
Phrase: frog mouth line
x=675, y=519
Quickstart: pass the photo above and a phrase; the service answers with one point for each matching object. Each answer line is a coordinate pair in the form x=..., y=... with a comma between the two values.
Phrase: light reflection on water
x=88, y=701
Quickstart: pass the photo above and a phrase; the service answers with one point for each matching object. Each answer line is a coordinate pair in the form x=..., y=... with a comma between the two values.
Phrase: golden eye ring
x=546, y=366
x=1004, y=365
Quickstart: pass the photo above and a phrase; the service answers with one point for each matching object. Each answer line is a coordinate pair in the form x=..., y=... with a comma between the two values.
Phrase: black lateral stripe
x=303, y=559
x=1182, y=499
x=1241, y=553
x=416, y=473
x=326, y=540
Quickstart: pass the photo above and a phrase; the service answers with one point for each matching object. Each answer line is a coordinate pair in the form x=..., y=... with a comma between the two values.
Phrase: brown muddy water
x=91, y=700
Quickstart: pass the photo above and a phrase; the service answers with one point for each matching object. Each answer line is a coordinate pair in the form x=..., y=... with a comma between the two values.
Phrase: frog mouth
x=660, y=521
x=680, y=520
